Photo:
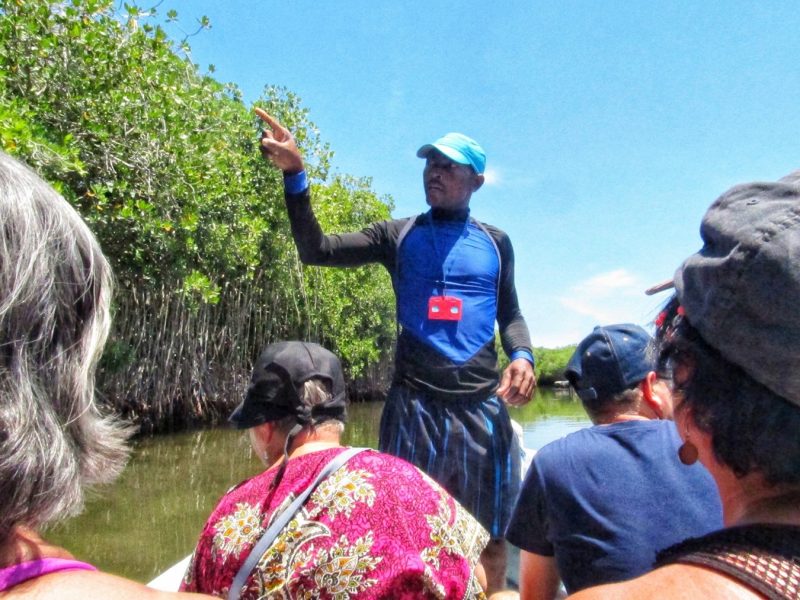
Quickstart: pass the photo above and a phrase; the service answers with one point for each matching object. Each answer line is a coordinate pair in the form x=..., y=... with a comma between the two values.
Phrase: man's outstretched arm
x=313, y=245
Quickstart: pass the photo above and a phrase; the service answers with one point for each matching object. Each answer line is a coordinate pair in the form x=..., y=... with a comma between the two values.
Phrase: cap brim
x=246, y=415
x=425, y=150
x=239, y=419
x=236, y=417
x=450, y=153
x=660, y=287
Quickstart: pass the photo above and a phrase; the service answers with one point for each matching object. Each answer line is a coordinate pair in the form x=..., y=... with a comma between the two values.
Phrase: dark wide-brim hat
x=741, y=291
x=276, y=386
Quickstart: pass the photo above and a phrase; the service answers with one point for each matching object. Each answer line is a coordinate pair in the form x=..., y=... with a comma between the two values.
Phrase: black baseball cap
x=277, y=381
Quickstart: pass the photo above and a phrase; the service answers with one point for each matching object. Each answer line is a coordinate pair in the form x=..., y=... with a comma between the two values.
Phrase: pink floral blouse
x=376, y=528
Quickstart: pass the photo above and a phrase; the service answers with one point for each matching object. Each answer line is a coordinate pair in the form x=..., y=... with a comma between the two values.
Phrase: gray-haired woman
x=55, y=292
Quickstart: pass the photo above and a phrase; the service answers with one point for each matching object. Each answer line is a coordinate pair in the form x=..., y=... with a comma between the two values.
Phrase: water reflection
x=152, y=516
x=553, y=414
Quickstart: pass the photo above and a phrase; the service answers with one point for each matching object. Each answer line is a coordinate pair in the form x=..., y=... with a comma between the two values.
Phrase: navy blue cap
x=610, y=360
x=276, y=386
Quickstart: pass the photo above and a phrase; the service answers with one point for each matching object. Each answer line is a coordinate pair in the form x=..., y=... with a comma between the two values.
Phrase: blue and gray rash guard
x=443, y=253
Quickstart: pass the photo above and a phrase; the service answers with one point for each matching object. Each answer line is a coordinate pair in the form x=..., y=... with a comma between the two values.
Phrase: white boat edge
x=526, y=454
x=170, y=580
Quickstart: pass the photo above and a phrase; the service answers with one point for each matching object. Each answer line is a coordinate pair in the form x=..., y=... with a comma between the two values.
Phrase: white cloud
x=491, y=176
x=612, y=297
x=604, y=285
x=559, y=339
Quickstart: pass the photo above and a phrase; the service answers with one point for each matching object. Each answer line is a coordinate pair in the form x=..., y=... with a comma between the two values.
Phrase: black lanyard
x=441, y=259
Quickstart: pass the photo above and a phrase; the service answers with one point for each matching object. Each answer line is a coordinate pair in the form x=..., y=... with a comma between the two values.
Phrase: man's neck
x=444, y=214
x=618, y=418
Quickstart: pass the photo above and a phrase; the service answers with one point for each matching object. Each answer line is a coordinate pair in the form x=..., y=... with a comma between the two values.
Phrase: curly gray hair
x=55, y=295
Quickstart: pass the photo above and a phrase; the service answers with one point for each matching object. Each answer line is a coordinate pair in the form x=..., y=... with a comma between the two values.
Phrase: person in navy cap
x=599, y=503
x=453, y=278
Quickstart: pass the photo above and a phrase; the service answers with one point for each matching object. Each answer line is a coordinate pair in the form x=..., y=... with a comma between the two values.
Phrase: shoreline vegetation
x=162, y=161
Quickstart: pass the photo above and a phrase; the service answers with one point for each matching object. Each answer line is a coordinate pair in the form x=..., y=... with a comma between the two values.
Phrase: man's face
x=448, y=184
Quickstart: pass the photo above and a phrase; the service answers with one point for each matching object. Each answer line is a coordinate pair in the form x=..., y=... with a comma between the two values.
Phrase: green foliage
x=149, y=150
x=163, y=163
x=550, y=362
x=354, y=300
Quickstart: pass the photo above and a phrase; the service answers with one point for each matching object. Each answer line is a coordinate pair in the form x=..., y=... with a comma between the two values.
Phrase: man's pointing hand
x=278, y=145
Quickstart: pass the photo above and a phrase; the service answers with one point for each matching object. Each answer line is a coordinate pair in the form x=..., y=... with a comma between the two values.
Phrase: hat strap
x=297, y=428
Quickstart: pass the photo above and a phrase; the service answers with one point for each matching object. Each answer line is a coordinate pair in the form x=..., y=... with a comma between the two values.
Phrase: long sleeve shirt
x=442, y=253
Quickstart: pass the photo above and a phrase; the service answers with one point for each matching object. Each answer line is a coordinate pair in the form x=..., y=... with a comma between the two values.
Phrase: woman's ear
x=260, y=438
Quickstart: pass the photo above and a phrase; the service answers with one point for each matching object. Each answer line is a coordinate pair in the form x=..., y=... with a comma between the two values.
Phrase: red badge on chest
x=444, y=308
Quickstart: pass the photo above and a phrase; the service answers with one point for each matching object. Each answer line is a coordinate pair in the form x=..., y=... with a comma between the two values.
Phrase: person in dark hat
x=730, y=338
x=592, y=507
x=453, y=279
x=376, y=527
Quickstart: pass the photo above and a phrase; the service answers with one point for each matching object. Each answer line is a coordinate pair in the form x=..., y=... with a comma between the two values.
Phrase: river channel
x=151, y=517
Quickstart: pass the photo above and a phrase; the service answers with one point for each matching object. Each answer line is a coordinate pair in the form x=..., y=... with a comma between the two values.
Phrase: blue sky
x=609, y=126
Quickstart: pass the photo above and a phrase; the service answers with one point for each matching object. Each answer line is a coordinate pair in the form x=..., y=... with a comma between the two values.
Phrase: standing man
x=599, y=503
x=453, y=278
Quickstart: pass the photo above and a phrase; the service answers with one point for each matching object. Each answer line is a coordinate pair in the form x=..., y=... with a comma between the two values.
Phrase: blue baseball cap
x=458, y=148
x=610, y=360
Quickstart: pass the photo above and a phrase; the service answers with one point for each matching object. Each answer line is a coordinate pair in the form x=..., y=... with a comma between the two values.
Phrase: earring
x=687, y=453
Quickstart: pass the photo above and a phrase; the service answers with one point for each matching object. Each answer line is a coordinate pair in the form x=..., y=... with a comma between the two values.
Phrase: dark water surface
x=151, y=517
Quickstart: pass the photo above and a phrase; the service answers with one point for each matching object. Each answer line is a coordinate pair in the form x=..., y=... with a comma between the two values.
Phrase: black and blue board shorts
x=467, y=446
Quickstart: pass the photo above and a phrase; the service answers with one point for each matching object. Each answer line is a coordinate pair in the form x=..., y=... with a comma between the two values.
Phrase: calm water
x=152, y=515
